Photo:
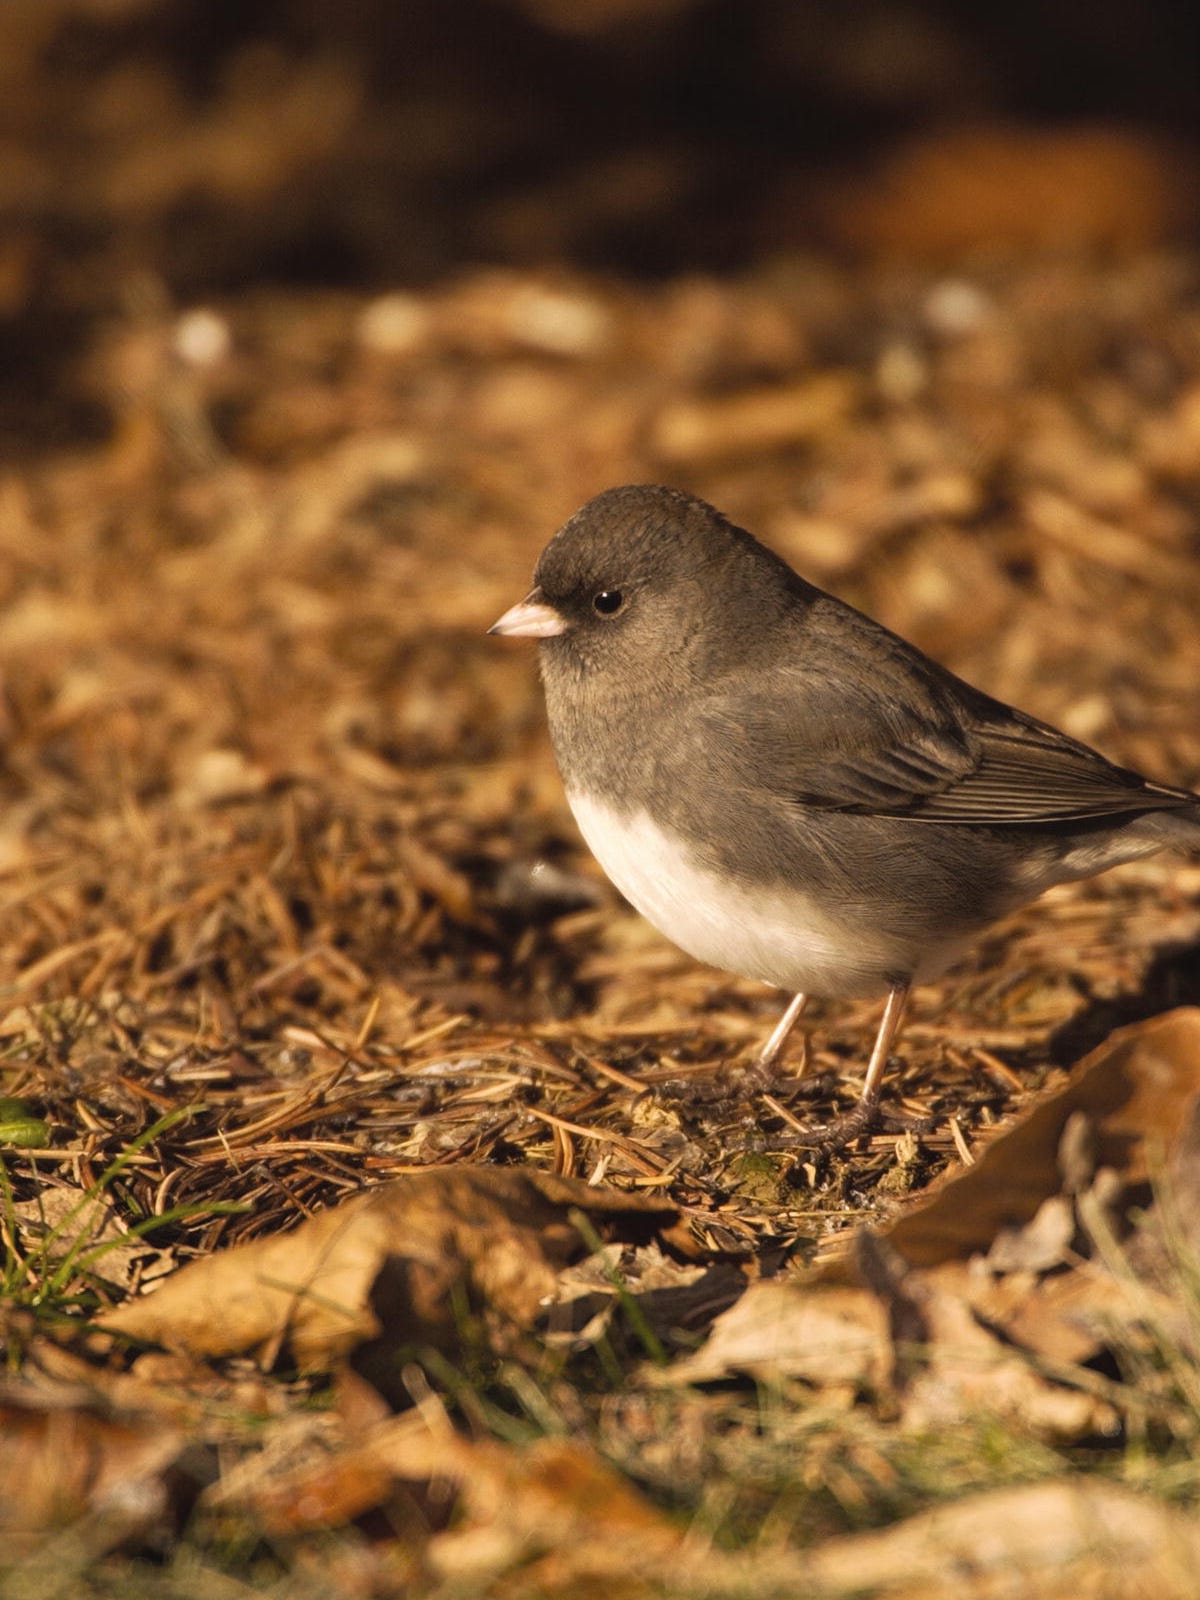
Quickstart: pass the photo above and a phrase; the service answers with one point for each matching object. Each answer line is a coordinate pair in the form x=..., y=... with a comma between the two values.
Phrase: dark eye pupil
x=608, y=601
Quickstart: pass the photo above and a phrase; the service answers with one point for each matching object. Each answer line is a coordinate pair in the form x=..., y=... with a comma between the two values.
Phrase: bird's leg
x=759, y=1074
x=767, y=1062
x=889, y=1027
x=845, y=1129
x=866, y=1112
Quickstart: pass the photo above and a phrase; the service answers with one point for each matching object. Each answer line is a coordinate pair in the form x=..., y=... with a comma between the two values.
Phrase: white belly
x=781, y=939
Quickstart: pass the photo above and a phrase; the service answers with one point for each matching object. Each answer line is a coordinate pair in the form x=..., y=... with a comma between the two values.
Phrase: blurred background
x=223, y=146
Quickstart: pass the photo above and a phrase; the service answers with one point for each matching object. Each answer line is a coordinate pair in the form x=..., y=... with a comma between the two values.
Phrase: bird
x=787, y=789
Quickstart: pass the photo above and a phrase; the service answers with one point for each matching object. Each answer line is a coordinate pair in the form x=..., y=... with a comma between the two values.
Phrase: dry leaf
x=949, y=1365
x=1136, y=1090
x=555, y=1500
x=88, y=1227
x=403, y=1264
x=1124, y=1116
x=1041, y=1244
x=782, y=1329
x=967, y=1371
x=308, y=1481
x=1056, y=1540
x=556, y=1519
x=66, y=1454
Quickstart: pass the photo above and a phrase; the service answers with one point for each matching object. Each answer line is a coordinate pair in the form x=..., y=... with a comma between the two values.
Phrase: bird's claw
x=828, y=1138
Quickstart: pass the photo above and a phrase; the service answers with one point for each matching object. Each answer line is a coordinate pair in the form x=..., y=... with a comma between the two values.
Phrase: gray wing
x=1015, y=772
x=886, y=732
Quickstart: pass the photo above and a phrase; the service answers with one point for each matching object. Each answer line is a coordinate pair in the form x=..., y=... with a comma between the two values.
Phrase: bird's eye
x=608, y=602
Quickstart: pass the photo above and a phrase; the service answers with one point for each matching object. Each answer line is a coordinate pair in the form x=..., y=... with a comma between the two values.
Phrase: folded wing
x=893, y=734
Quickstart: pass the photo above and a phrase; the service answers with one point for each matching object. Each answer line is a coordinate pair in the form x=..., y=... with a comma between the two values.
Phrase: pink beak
x=531, y=618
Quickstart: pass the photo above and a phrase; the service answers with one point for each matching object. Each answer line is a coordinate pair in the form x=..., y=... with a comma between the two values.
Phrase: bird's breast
x=777, y=934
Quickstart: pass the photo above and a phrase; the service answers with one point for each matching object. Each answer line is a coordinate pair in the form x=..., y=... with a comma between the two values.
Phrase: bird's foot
x=729, y=1085
x=733, y=1082
x=742, y=1080
x=828, y=1138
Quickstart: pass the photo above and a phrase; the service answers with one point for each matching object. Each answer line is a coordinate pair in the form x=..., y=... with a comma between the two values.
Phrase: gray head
x=648, y=583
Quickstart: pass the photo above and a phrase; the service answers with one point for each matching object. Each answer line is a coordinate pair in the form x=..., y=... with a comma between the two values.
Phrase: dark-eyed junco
x=788, y=790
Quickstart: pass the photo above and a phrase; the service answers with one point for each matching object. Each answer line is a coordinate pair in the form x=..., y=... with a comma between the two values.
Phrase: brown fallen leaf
x=67, y=1454
x=58, y=1222
x=555, y=1503
x=909, y=1333
x=1056, y=1540
x=782, y=1329
x=309, y=1478
x=951, y=1366
x=1136, y=1090
x=407, y=1264
x=467, y=1511
x=1042, y=1243
x=1080, y=1163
